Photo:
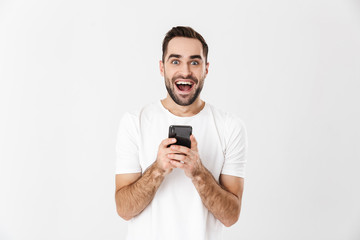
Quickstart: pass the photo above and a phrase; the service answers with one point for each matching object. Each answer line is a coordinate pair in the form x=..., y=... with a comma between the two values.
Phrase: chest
x=154, y=131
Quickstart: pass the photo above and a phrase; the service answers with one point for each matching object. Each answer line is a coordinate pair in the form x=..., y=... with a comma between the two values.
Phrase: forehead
x=184, y=46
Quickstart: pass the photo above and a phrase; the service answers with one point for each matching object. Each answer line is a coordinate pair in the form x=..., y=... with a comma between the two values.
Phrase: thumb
x=193, y=143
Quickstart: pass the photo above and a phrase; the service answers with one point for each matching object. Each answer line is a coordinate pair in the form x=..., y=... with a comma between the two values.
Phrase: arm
x=134, y=191
x=224, y=200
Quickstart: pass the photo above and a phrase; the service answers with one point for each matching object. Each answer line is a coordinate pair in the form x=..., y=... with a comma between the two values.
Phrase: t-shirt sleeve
x=236, y=148
x=127, y=146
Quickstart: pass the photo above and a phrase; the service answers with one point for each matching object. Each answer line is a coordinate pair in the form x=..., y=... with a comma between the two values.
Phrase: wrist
x=157, y=171
x=199, y=175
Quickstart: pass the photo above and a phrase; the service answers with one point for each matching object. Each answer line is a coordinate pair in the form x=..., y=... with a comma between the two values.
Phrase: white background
x=70, y=69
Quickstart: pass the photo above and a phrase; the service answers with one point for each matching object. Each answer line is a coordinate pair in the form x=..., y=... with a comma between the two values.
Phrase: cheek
x=201, y=73
x=169, y=73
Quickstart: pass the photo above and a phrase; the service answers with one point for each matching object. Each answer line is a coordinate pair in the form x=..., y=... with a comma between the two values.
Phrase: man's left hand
x=187, y=158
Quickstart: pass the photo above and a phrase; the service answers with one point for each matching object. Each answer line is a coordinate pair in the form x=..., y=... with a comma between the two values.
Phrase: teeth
x=187, y=83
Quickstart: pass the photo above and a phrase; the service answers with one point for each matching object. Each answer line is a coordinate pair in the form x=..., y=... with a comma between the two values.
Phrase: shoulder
x=227, y=120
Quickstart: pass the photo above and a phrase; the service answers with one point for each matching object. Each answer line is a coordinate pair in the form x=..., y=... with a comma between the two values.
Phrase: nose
x=185, y=70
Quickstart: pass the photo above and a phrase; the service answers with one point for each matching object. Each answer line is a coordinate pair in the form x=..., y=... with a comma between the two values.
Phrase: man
x=178, y=192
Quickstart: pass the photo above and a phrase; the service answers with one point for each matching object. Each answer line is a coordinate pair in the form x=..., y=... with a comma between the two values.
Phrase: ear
x=161, y=66
x=207, y=67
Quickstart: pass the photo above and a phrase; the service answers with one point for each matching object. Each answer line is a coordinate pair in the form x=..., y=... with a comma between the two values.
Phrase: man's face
x=184, y=69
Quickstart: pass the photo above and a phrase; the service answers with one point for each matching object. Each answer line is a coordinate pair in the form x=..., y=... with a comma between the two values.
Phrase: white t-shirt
x=177, y=212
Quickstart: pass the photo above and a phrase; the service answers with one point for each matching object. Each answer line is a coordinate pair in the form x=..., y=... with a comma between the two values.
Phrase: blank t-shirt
x=177, y=212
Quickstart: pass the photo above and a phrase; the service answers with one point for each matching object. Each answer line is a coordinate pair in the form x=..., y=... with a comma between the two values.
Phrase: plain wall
x=70, y=69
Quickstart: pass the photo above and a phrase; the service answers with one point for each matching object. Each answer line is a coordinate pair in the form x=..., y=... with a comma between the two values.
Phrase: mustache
x=185, y=77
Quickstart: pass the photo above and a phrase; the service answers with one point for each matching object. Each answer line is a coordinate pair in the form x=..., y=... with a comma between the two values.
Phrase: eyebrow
x=174, y=56
x=179, y=56
x=195, y=56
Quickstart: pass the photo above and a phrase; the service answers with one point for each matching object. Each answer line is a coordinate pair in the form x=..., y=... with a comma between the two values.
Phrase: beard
x=177, y=99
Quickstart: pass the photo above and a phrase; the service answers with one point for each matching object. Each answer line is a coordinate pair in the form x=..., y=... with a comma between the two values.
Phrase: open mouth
x=184, y=86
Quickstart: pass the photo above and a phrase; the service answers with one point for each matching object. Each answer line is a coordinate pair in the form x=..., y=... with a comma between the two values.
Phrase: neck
x=183, y=111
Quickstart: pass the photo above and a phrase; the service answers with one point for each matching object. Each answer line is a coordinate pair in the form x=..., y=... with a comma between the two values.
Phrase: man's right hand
x=162, y=160
x=134, y=192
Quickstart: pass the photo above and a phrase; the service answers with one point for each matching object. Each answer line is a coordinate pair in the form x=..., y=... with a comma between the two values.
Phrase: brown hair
x=187, y=32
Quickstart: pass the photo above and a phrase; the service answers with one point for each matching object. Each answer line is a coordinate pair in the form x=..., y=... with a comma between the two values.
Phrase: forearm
x=224, y=205
x=134, y=198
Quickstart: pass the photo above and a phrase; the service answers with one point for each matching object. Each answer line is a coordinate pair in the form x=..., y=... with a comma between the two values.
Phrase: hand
x=162, y=160
x=186, y=158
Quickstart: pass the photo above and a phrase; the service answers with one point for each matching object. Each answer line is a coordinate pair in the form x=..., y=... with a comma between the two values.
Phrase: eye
x=194, y=63
x=175, y=62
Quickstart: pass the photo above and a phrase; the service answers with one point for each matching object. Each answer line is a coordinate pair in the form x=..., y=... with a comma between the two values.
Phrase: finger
x=177, y=157
x=180, y=149
x=193, y=142
x=166, y=142
x=172, y=165
x=177, y=164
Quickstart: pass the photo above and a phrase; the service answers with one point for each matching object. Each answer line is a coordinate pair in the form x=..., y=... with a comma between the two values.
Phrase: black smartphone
x=182, y=134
